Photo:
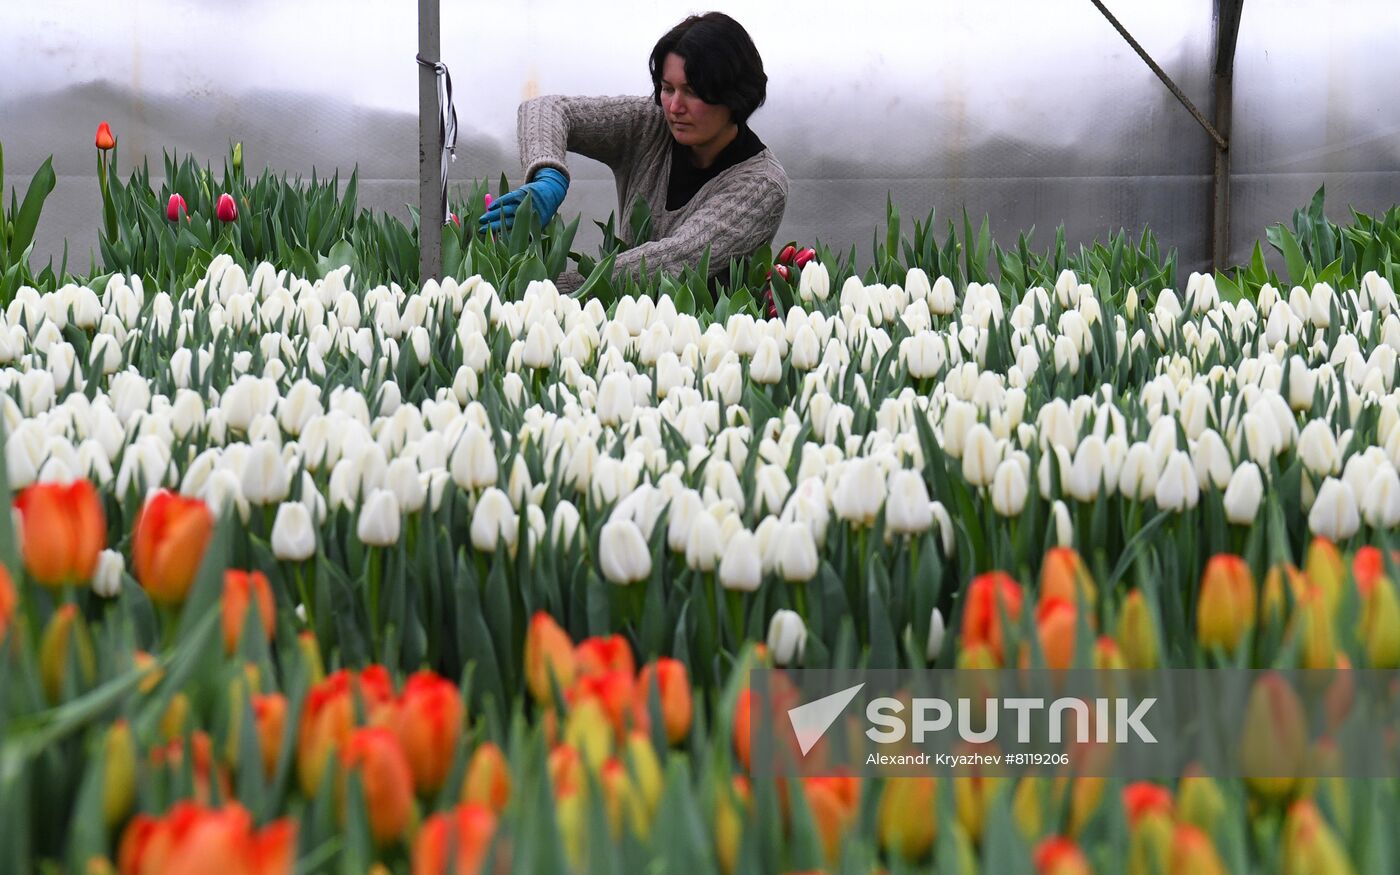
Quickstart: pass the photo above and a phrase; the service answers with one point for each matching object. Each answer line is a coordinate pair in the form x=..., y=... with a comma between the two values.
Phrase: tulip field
x=315, y=567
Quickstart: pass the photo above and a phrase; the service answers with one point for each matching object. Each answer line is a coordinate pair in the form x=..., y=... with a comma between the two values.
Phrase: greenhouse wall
x=1034, y=113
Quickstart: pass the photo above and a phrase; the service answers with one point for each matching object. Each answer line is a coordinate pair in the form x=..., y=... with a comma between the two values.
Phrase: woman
x=686, y=150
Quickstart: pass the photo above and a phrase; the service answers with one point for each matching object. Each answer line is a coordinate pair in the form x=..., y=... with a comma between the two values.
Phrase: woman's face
x=693, y=122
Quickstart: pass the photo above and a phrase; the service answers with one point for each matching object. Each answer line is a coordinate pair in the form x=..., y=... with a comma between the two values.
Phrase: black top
x=686, y=178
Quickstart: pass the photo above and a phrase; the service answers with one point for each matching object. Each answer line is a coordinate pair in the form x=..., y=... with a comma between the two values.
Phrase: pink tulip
x=488, y=200
x=226, y=209
x=176, y=208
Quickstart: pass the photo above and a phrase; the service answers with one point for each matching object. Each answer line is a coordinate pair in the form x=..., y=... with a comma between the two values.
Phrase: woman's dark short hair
x=722, y=64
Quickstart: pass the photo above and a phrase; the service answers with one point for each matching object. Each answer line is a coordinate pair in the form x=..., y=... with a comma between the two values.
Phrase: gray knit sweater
x=734, y=213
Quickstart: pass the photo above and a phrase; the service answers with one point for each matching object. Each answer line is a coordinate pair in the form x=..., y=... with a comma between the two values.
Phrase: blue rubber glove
x=546, y=191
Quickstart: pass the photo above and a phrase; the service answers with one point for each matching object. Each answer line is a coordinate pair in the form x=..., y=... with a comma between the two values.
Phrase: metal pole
x=1227, y=27
x=429, y=145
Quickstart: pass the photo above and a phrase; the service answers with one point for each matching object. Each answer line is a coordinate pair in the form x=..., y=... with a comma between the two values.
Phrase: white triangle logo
x=811, y=721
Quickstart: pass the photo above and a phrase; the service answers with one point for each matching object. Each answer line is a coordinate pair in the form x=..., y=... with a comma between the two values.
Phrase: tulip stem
x=736, y=616
x=376, y=560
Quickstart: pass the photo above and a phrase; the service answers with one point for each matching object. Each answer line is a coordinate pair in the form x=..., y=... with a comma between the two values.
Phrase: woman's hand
x=546, y=191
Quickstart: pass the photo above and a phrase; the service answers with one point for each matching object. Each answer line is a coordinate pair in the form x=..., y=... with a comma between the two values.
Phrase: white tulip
x=264, y=478
x=860, y=492
x=494, y=521
x=942, y=297
x=741, y=567
x=936, y=633
x=787, y=637
x=1178, y=487
x=981, y=455
x=623, y=553
x=767, y=365
x=1064, y=524
x=815, y=282
x=615, y=404
x=1334, y=512
x=1084, y=479
x=293, y=532
x=945, y=527
x=795, y=552
x=1381, y=498
x=401, y=478
x=301, y=405
x=1010, y=488
x=704, y=546
x=1317, y=447
x=222, y=492
x=564, y=523
x=107, y=578
x=1243, y=494
x=380, y=521
x=473, y=462
x=907, y=507
x=1214, y=466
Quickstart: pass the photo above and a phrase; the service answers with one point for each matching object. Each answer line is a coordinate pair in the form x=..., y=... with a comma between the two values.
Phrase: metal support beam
x=429, y=144
x=1227, y=29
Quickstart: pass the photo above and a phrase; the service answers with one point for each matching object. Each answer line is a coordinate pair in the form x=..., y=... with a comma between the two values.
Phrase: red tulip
x=226, y=209
x=176, y=208
x=805, y=256
x=456, y=221
x=782, y=270
x=789, y=252
x=105, y=140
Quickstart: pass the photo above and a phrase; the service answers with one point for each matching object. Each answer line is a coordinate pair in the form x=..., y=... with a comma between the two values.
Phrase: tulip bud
x=741, y=568
x=1200, y=802
x=1225, y=607
x=832, y=804
x=1315, y=630
x=168, y=545
x=118, y=772
x=1380, y=625
x=787, y=637
x=1275, y=738
x=907, y=510
x=1325, y=569
x=176, y=208
x=244, y=590
x=731, y=813
x=487, y=781
x=430, y=721
x=903, y=822
x=1010, y=488
x=1063, y=575
x=672, y=685
x=380, y=520
x=548, y=652
x=1060, y=856
x=1137, y=635
x=1310, y=845
x=62, y=533
x=936, y=633
x=66, y=632
x=601, y=655
x=1192, y=851
x=226, y=210
x=293, y=534
x=797, y=560
x=455, y=842
x=107, y=579
x=988, y=596
x=269, y=722
x=494, y=521
x=105, y=141
x=623, y=553
x=8, y=600
x=386, y=779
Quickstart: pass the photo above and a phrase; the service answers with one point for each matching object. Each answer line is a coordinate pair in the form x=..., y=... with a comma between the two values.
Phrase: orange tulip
x=1225, y=607
x=240, y=589
x=328, y=718
x=104, y=140
x=833, y=809
x=1055, y=627
x=988, y=596
x=1310, y=844
x=566, y=773
x=548, y=651
x=8, y=601
x=430, y=721
x=615, y=691
x=1143, y=798
x=171, y=535
x=386, y=778
x=191, y=839
x=64, y=530
x=673, y=691
x=487, y=781
x=454, y=842
x=743, y=717
x=1060, y=856
x=1064, y=575
x=270, y=721
x=600, y=655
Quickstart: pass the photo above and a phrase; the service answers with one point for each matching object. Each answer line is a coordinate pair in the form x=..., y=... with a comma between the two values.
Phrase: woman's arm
x=607, y=129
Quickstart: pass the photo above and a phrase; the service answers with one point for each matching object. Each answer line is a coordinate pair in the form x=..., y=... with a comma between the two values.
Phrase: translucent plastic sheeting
x=1036, y=113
